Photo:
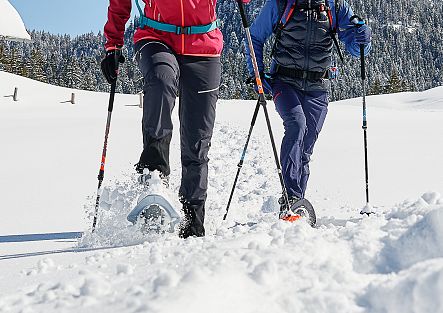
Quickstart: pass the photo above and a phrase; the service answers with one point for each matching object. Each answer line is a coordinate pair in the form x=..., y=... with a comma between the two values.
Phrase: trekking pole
x=261, y=101
x=101, y=173
x=358, y=22
x=367, y=209
x=240, y=164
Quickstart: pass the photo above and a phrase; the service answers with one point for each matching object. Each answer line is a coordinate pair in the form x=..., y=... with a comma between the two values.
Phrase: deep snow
x=11, y=24
x=389, y=262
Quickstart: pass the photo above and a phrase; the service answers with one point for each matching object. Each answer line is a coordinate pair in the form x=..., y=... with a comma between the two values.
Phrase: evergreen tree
x=3, y=58
x=73, y=74
x=36, y=63
x=395, y=84
x=376, y=87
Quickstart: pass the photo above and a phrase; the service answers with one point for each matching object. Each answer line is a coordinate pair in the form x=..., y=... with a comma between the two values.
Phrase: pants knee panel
x=295, y=128
x=164, y=80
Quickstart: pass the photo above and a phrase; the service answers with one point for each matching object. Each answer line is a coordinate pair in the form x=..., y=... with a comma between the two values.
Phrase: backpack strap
x=336, y=14
x=285, y=11
x=139, y=8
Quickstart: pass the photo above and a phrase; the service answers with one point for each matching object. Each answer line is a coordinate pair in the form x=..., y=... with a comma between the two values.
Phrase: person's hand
x=265, y=80
x=109, y=64
x=362, y=33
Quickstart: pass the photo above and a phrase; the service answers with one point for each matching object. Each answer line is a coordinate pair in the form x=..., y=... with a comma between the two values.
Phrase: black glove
x=110, y=63
x=265, y=80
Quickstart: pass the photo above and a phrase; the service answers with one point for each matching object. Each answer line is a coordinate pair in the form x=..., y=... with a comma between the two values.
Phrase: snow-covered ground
x=389, y=262
x=11, y=24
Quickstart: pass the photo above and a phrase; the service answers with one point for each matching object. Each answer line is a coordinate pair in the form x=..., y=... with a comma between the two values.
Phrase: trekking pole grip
x=241, y=7
x=117, y=56
x=362, y=60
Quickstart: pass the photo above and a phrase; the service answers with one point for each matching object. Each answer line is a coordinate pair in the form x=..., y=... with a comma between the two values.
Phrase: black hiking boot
x=145, y=175
x=283, y=207
x=192, y=224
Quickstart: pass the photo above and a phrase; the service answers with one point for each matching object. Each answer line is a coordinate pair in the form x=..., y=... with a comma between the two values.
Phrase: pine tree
x=36, y=63
x=394, y=83
x=3, y=58
x=376, y=88
x=73, y=74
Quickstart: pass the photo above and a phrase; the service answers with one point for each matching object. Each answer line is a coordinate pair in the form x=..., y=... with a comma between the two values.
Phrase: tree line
x=407, y=53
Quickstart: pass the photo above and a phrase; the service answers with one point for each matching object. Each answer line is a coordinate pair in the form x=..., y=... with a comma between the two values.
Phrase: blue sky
x=64, y=16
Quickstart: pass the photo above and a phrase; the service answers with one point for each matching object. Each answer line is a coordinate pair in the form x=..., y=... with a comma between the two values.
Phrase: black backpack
x=286, y=9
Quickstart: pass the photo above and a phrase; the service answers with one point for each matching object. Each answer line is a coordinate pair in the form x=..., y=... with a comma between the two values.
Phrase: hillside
x=407, y=53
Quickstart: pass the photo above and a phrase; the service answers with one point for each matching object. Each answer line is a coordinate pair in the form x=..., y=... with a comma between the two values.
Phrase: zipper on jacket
x=183, y=25
x=307, y=44
x=211, y=11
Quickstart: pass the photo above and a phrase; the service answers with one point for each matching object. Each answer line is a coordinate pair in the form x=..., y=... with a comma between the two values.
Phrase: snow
x=11, y=24
x=390, y=261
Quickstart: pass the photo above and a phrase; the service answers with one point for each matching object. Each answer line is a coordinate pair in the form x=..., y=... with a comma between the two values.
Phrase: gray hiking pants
x=196, y=81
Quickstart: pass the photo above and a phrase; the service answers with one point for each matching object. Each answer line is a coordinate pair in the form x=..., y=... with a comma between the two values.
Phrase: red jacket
x=177, y=12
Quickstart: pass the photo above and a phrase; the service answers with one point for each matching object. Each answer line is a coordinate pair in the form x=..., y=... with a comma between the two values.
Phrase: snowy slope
x=389, y=262
x=11, y=24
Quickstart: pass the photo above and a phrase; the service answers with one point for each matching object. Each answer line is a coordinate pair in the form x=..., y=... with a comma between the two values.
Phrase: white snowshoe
x=154, y=212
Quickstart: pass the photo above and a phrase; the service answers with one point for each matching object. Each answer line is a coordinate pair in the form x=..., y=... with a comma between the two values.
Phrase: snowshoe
x=298, y=208
x=154, y=219
x=155, y=214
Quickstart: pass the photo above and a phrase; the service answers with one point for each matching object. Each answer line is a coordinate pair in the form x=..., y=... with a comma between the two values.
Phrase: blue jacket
x=302, y=51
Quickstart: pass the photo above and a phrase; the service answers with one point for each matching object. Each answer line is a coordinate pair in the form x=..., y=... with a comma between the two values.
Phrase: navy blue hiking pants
x=196, y=81
x=303, y=114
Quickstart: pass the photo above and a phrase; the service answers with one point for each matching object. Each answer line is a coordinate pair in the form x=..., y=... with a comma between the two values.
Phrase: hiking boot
x=291, y=200
x=140, y=167
x=145, y=175
x=192, y=223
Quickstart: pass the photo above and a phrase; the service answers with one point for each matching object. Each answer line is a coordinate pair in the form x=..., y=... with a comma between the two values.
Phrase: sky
x=64, y=17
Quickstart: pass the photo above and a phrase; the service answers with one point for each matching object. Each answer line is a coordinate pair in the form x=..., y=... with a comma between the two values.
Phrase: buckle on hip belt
x=181, y=30
x=300, y=74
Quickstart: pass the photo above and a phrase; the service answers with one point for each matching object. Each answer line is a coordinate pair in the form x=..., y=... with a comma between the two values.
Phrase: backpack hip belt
x=171, y=28
x=301, y=74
